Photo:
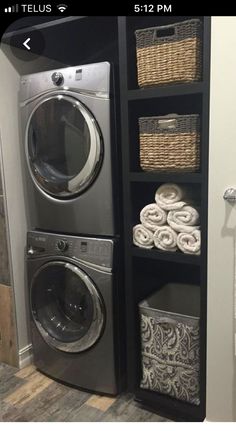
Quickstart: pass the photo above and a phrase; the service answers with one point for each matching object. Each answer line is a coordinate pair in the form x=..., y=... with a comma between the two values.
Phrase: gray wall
x=15, y=205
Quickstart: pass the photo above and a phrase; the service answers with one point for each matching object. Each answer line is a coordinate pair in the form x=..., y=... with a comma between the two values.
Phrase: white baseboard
x=25, y=356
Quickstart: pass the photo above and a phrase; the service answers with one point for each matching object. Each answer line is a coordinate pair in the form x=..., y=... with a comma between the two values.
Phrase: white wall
x=14, y=191
x=221, y=381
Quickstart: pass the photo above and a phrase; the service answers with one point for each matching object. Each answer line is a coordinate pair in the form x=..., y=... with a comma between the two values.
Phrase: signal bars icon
x=10, y=9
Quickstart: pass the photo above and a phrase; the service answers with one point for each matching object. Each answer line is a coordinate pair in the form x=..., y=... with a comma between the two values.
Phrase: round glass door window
x=63, y=146
x=66, y=307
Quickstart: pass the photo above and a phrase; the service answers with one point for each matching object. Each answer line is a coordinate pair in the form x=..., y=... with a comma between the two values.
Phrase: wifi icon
x=62, y=7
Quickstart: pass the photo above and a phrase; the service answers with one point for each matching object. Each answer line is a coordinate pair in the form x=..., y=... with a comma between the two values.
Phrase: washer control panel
x=95, y=251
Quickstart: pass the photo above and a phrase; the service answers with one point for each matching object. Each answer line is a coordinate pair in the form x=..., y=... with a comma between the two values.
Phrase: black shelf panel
x=166, y=177
x=165, y=255
x=166, y=91
x=172, y=408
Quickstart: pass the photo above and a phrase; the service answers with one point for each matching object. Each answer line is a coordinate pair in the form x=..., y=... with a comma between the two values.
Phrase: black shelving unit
x=146, y=270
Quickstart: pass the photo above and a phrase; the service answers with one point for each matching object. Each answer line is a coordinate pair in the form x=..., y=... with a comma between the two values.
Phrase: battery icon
x=10, y=9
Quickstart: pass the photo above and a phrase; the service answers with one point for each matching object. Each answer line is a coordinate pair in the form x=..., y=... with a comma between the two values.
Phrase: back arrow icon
x=25, y=43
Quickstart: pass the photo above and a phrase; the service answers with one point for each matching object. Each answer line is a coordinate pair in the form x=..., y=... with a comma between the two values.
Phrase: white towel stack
x=170, y=223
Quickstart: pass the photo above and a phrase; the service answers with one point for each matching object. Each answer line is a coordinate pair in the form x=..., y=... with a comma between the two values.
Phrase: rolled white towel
x=169, y=197
x=153, y=216
x=165, y=238
x=190, y=243
x=142, y=237
x=184, y=219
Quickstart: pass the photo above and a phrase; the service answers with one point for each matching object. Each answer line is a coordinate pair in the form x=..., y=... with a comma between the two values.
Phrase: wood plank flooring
x=8, y=339
x=29, y=396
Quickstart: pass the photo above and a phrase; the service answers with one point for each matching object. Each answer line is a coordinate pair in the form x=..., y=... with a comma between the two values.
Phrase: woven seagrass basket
x=169, y=54
x=170, y=143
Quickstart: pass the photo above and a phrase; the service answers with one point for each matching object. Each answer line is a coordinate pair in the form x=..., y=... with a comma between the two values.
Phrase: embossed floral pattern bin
x=170, y=342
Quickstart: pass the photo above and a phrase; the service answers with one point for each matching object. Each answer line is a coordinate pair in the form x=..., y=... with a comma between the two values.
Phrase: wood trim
x=8, y=338
x=25, y=356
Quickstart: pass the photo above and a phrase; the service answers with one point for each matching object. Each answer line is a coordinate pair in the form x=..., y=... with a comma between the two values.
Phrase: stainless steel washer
x=73, y=300
x=66, y=133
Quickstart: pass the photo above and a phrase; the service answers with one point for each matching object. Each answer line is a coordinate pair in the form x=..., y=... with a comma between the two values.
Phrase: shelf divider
x=166, y=91
x=188, y=177
x=170, y=256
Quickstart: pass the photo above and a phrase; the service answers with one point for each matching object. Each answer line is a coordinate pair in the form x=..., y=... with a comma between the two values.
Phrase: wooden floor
x=29, y=396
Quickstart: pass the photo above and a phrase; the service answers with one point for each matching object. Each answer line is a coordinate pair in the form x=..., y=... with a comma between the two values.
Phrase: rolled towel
x=165, y=238
x=184, y=219
x=153, y=216
x=142, y=237
x=169, y=197
x=190, y=243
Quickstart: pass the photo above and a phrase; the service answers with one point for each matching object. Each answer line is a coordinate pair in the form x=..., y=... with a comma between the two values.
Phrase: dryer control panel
x=94, y=251
x=91, y=79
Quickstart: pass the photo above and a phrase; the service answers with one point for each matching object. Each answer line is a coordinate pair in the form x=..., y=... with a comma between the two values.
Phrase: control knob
x=62, y=245
x=57, y=78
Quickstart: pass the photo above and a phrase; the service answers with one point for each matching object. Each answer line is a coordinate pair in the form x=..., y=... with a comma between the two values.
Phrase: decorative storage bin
x=169, y=54
x=170, y=143
x=170, y=342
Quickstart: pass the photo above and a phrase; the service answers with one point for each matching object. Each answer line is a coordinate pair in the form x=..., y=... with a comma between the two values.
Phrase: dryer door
x=63, y=146
x=66, y=307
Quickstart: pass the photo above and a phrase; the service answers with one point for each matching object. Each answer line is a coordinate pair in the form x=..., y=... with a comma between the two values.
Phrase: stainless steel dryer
x=66, y=129
x=74, y=298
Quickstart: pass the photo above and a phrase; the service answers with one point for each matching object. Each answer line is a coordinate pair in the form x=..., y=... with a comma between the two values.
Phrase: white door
x=221, y=359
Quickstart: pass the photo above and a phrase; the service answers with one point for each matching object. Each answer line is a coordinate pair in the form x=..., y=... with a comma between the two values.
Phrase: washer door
x=63, y=146
x=66, y=307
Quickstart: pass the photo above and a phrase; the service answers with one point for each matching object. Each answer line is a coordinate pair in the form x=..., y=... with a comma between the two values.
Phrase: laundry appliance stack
x=68, y=145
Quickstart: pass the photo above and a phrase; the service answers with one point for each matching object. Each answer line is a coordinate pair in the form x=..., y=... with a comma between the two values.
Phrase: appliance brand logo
x=40, y=239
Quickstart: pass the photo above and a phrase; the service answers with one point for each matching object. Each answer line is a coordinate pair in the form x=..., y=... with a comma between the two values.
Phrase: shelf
x=165, y=255
x=159, y=177
x=166, y=91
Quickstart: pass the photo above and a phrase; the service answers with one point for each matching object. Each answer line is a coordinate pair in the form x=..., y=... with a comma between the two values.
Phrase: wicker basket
x=169, y=54
x=170, y=143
